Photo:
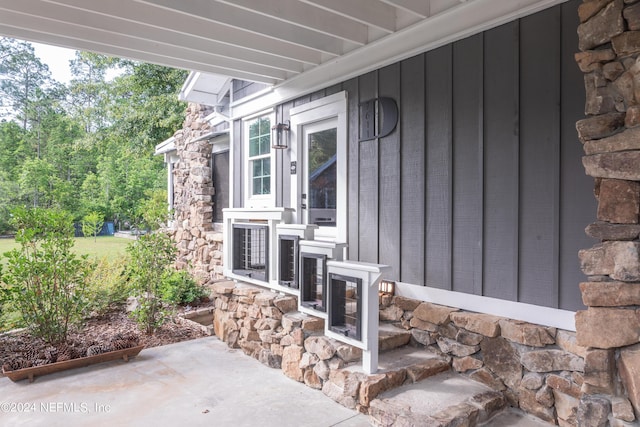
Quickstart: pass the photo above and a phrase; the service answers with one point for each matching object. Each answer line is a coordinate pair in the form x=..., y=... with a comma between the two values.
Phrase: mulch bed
x=111, y=331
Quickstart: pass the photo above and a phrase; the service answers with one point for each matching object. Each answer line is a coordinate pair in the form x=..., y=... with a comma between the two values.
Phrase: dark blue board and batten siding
x=480, y=189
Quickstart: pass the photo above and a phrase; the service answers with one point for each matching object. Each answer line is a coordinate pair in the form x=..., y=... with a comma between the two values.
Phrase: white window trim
x=332, y=106
x=261, y=200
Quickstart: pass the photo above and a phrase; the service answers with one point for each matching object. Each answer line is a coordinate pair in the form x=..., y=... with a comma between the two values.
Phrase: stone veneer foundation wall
x=199, y=243
x=609, y=41
x=536, y=368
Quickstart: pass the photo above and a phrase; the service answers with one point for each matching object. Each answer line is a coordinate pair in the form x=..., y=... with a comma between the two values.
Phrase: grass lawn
x=104, y=247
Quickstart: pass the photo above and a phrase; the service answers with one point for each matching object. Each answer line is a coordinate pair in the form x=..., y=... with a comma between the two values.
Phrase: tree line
x=86, y=145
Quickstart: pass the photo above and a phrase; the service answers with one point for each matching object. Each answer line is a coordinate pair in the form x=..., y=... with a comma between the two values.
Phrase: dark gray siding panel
x=439, y=166
x=353, y=169
x=501, y=150
x=467, y=165
x=412, y=184
x=578, y=204
x=539, y=157
x=368, y=221
x=389, y=168
x=242, y=89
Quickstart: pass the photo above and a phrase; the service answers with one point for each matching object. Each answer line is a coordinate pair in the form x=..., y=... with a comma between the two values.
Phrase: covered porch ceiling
x=301, y=44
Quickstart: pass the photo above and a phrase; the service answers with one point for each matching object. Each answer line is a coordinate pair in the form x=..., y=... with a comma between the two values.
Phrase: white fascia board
x=545, y=316
x=166, y=146
x=204, y=88
x=464, y=20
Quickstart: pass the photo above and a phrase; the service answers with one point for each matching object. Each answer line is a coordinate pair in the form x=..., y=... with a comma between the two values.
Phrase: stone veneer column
x=199, y=245
x=609, y=43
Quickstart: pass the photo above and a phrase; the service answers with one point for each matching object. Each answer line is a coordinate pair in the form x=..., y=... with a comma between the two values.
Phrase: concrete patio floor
x=195, y=383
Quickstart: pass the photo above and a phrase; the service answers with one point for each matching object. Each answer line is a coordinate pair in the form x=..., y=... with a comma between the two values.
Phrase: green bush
x=179, y=287
x=107, y=288
x=92, y=224
x=44, y=280
x=151, y=258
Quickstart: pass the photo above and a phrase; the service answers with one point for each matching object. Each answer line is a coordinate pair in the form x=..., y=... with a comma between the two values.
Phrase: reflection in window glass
x=259, y=160
x=322, y=158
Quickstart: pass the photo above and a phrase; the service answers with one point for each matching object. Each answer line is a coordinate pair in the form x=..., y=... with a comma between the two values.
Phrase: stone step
x=445, y=399
x=511, y=417
x=391, y=337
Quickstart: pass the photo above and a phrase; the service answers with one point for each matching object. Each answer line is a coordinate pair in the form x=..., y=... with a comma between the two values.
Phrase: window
x=251, y=251
x=259, y=157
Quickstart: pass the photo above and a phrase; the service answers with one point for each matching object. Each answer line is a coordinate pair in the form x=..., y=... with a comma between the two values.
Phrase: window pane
x=265, y=144
x=254, y=147
x=265, y=126
x=322, y=169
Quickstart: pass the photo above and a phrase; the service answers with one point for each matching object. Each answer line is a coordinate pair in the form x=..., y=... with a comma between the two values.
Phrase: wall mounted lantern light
x=280, y=135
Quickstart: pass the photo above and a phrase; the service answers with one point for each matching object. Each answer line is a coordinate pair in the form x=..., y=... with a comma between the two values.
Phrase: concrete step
x=446, y=399
x=391, y=337
x=511, y=417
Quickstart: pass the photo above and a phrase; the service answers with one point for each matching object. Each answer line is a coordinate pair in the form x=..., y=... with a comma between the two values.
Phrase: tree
x=92, y=224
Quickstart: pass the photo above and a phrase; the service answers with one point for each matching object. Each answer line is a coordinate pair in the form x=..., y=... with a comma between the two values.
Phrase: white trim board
x=554, y=317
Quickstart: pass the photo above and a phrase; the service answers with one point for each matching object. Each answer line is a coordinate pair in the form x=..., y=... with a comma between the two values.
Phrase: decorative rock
x=622, y=165
x=532, y=381
x=486, y=377
x=482, y=324
x=632, y=118
x=489, y=402
x=311, y=324
x=321, y=346
x=567, y=341
x=621, y=409
x=620, y=260
x=593, y=411
x=373, y=385
x=626, y=43
x=433, y=313
x=290, y=321
x=551, y=360
x=422, y=337
x=264, y=299
x=526, y=333
x=224, y=287
x=529, y=403
x=267, y=357
x=423, y=325
x=291, y=357
x=286, y=304
x=392, y=313
x=450, y=346
x=602, y=26
x=468, y=338
x=308, y=360
x=321, y=369
x=612, y=70
x=594, y=327
x=599, y=96
x=502, y=359
x=610, y=294
x=605, y=231
x=589, y=8
x=623, y=141
x=460, y=414
x=563, y=384
x=271, y=312
x=544, y=396
x=467, y=363
x=601, y=126
x=342, y=387
x=267, y=324
x=448, y=331
x=426, y=369
x=599, y=375
x=311, y=379
x=629, y=368
x=566, y=407
x=348, y=353
x=407, y=304
x=619, y=201
x=591, y=60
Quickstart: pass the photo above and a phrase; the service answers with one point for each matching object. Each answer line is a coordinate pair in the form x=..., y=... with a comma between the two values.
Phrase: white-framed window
x=259, y=160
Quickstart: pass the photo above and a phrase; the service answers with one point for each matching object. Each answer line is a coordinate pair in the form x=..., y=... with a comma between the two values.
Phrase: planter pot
x=50, y=368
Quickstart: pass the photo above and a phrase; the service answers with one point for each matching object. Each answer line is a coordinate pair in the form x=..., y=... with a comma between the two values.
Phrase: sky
x=57, y=58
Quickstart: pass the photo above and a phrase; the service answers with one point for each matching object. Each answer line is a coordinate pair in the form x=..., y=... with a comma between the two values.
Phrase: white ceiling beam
x=92, y=31
x=219, y=53
x=220, y=13
x=417, y=7
x=378, y=15
x=193, y=26
x=120, y=52
x=304, y=15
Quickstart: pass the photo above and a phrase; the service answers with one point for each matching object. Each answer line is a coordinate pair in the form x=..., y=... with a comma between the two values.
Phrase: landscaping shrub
x=92, y=224
x=151, y=258
x=107, y=288
x=179, y=287
x=43, y=279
